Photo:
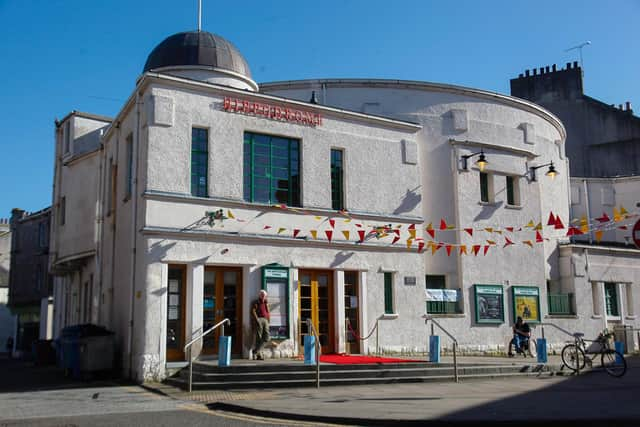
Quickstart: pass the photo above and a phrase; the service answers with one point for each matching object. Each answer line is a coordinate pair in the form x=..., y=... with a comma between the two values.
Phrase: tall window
x=129, y=184
x=511, y=197
x=388, y=293
x=62, y=210
x=484, y=187
x=611, y=299
x=271, y=169
x=337, y=180
x=199, y=161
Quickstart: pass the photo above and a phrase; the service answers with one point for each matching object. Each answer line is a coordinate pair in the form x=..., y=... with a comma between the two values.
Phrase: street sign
x=636, y=234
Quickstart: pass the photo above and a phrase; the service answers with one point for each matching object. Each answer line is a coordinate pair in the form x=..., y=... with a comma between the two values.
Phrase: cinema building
x=344, y=199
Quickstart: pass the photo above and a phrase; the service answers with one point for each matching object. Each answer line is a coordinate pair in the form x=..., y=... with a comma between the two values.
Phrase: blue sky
x=61, y=55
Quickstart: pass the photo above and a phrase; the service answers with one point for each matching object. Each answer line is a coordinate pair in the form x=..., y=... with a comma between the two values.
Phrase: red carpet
x=345, y=359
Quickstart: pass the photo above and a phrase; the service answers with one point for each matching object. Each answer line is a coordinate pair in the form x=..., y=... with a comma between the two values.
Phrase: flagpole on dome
x=199, y=15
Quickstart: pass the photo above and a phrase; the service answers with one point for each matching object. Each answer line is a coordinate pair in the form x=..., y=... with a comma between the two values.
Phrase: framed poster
x=275, y=280
x=489, y=300
x=526, y=303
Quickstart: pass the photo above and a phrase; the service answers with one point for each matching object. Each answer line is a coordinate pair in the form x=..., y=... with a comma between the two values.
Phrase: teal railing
x=560, y=303
x=442, y=307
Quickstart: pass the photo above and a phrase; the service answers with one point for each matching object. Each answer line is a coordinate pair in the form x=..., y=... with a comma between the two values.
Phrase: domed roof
x=197, y=48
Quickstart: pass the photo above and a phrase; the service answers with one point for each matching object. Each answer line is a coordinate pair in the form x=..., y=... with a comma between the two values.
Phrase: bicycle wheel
x=613, y=362
x=573, y=356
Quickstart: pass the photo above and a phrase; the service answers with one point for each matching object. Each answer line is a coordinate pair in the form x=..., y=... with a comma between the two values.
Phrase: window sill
x=514, y=207
x=389, y=316
x=448, y=315
x=561, y=316
x=491, y=204
x=613, y=318
x=596, y=316
x=631, y=317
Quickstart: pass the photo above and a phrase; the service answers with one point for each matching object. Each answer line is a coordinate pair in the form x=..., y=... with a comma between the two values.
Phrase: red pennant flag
x=420, y=246
x=359, y=225
x=395, y=239
x=412, y=227
x=573, y=231
x=329, y=233
x=443, y=224
x=552, y=219
x=623, y=227
x=476, y=249
x=558, y=224
x=266, y=227
x=507, y=242
x=509, y=229
x=397, y=232
x=431, y=232
x=486, y=249
x=604, y=218
x=469, y=230
x=448, y=248
x=361, y=233
x=539, y=237
x=332, y=223
x=295, y=232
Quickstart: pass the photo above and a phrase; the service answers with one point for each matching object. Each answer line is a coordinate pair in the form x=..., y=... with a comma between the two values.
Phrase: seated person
x=521, y=335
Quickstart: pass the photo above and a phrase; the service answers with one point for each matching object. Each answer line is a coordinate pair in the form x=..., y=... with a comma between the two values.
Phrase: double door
x=315, y=293
x=222, y=299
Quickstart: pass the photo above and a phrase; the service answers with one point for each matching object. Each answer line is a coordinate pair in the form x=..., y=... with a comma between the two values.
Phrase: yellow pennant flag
x=230, y=215
x=347, y=220
x=599, y=234
x=489, y=229
x=531, y=224
x=584, y=224
x=412, y=233
x=318, y=218
x=491, y=242
x=281, y=229
x=538, y=226
x=623, y=211
x=528, y=243
x=434, y=249
x=314, y=233
x=346, y=234
x=463, y=249
x=499, y=232
x=409, y=243
x=616, y=215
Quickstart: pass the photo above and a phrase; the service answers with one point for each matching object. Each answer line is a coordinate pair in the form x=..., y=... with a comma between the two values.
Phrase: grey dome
x=197, y=48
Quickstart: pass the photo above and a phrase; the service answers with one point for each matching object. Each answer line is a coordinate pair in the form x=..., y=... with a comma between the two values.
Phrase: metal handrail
x=312, y=328
x=576, y=340
x=455, y=342
x=543, y=324
x=199, y=337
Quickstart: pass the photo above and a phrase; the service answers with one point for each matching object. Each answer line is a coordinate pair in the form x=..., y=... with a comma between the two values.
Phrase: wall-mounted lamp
x=481, y=162
x=551, y=172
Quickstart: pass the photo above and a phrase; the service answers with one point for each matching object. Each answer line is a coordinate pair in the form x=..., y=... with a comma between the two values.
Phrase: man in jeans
x=260, y=313
x=521, y=335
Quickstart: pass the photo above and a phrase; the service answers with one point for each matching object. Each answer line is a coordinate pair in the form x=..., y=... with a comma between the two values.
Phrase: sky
x=62, y=55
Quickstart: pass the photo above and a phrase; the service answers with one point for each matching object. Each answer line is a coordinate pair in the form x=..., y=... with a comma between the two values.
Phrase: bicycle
x=577, y=355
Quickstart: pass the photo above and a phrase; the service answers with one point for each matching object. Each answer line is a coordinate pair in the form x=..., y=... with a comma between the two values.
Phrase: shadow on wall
x=158, y=250
x=487, y=211
x=341, y=257
x=409, y=202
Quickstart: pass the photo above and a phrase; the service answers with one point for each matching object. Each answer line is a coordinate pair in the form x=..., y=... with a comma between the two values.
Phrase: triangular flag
x=420, y=246
x=531, y=224
x=347, y=220
x=499, y=232
x=397, y=232
x=412, y=233
x=476, y=249
x=412, y=227
x=463, y=249
x=443, y=225
x=491, y=242
x=538, y=226
x=281, y=229
x=539, y=237
x=359, y=225
x=599, y=234
x=345, y=233
x=266, y=227
x=509, y=229
x=448, y=248
x=395, y=239
x=604, y=218
x=507, y=242
x=558, y=225
x=314, y=233
x=332, y=223
x=451, y=227
x=584, y=224
x=623, y=227
x=295, y=232
x=431, y=231
x=573, y=231
x=486, y=249
x=329, y=234
x=318, y=218
x=230, y=215
x=489, y=229
x=528, y=243
x=623, y=211
x=361, y=234
x=552, y=219
x=434, y=249
x=409, y=243
x=469, y=230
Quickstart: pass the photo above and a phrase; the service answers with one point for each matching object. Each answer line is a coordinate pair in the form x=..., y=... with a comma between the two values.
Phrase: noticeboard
x=489, y=302
x=275, y=280
x=526, y=303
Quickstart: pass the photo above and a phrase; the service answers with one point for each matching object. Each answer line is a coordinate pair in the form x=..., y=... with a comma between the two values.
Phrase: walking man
x=260, y=313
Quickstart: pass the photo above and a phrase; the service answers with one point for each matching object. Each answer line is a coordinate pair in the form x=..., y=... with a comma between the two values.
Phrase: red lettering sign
x=274, y=112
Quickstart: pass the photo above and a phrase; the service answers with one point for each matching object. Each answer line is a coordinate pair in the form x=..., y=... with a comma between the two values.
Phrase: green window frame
x=388, y=293
x=271, y=169
x=484, y=187
x=337, y=179
x=199, y=162
x=611, y=299
x=511, y=196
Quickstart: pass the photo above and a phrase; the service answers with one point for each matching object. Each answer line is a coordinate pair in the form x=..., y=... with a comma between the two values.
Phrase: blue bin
x=309, y=350
x=434, y=349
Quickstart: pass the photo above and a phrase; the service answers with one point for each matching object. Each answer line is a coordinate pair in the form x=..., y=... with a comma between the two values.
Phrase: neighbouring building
x=355, y=203
x=30, y=285
x=7, y=320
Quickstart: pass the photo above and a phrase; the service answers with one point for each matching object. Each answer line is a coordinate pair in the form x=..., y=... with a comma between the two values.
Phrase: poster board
x=489, y=303
x=275, y=280
x=526, y=303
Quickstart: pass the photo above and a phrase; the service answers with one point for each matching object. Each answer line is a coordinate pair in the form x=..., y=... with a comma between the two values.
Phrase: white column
x=164, y=287
x=338, y=277
x=46, y=318
x=249, y=292
x=601, y=302
x=622, y=305
x=293, y=314
x=195, y=294
x=362, y=309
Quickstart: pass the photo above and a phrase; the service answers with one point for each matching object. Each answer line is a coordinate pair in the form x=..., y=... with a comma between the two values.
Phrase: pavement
x=593, y=398
x=590, y=399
